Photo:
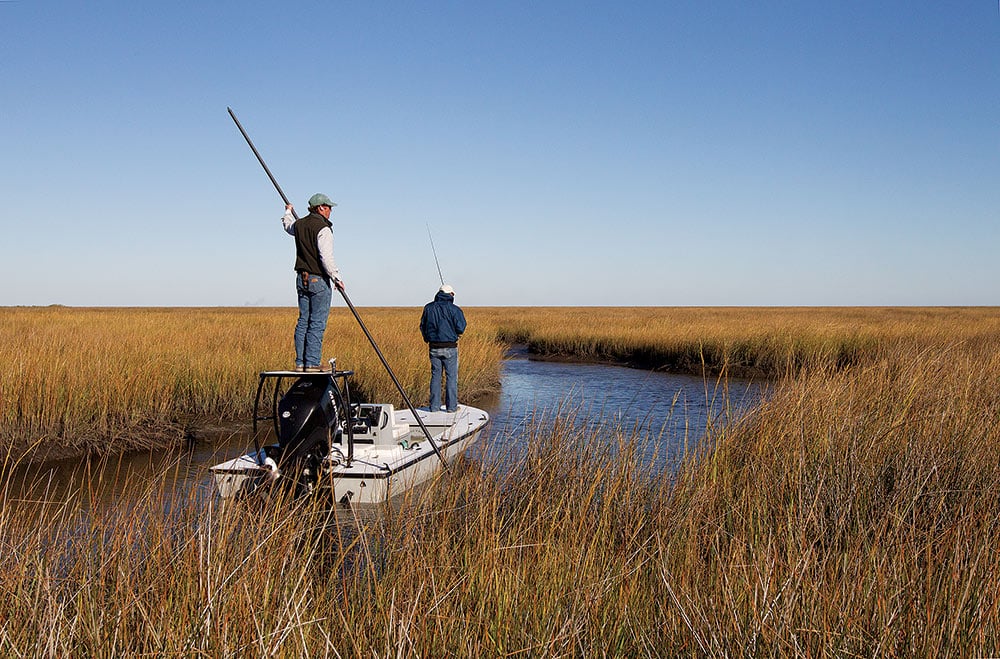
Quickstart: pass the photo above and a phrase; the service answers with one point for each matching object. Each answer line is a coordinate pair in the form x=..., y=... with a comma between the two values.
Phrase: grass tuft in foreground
x=854, y=513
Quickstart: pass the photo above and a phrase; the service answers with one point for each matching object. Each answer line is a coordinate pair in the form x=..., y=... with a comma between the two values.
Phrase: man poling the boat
x=315, y=270
x=347, y=300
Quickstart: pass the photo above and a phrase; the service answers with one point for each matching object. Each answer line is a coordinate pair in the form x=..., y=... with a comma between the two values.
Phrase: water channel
x=669, y=411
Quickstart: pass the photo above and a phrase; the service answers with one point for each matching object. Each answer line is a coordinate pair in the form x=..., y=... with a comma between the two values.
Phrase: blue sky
x=561, y=153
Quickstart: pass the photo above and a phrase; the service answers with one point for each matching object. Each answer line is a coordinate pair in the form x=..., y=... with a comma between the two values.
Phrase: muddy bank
x=173, y=436
x=646, y=362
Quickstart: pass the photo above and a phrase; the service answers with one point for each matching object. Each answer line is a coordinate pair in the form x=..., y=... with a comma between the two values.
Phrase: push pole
x=350, y=305
x=261, y=160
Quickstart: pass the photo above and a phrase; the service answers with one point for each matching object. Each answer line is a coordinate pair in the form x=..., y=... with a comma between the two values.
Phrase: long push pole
x=350, y=305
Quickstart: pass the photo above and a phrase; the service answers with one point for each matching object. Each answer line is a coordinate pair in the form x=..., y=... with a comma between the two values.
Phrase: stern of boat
x=237, y=476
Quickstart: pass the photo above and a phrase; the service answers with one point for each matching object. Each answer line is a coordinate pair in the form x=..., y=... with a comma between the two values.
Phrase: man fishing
x=315, y=269
x=441, y=323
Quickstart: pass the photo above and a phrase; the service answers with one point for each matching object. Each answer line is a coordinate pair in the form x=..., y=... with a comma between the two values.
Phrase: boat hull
x=377, y=471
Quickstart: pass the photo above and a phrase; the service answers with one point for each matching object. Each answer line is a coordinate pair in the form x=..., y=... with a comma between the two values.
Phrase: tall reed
x=854, y=513
x=759, y=341
x=111, y=380
x=76, y=381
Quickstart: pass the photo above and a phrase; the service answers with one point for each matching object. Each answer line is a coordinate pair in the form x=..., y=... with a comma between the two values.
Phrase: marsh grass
x=768, y=342
x=78, y=381
x=854, y=513
x=82, y=381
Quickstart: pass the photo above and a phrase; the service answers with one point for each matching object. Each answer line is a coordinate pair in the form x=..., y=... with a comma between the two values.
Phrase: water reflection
x=672, y=412
x=106, y=480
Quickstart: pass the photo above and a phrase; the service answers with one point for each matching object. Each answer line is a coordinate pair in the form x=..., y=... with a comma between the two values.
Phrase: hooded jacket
x=442, y=322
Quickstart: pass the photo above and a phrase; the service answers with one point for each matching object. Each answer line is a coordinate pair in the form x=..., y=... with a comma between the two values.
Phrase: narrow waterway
x=670, y=411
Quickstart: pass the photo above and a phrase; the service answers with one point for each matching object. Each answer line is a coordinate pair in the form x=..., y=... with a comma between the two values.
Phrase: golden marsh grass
x=86, y=380
x=769, y=342
x=855, y=512
x=110, y=380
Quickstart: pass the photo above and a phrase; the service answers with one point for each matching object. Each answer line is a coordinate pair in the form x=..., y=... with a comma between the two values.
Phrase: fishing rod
x=436, y=262
x=350, y=305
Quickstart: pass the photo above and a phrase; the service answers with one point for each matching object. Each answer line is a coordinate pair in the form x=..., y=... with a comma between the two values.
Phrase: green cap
x=320, y=199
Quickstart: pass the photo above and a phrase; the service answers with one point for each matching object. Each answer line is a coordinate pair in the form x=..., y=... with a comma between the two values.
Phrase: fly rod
x=436, y=262
x=350, y=305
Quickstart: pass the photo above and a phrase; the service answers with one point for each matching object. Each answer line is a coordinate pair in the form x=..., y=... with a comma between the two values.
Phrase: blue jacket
x=442, y=321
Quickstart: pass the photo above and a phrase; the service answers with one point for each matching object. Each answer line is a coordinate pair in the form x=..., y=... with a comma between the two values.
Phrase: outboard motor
x=307, y=423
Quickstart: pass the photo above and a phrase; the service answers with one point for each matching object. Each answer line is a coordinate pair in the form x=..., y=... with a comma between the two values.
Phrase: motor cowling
x=307, y=420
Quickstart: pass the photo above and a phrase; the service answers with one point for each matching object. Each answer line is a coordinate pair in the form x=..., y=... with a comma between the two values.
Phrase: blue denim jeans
x=444, y=359
x=314, y=307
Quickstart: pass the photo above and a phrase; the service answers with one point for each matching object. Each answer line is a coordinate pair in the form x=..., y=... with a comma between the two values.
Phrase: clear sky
x=561, y=153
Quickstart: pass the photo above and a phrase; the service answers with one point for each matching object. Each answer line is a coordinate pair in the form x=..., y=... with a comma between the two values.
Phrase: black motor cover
x=307, y=416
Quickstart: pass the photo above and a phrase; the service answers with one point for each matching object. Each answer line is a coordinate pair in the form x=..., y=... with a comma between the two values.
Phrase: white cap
x=446, y=288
